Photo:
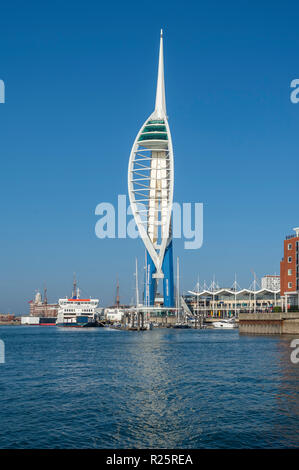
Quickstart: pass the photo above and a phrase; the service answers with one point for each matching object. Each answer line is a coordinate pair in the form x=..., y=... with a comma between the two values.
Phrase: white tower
x=150, y=185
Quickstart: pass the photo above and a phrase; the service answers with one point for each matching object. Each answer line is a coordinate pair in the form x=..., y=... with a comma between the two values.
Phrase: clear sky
x=80, y=80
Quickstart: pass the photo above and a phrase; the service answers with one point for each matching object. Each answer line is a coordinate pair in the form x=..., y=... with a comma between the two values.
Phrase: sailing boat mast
x=117, y=294
x=137, y=289
x=178, y=287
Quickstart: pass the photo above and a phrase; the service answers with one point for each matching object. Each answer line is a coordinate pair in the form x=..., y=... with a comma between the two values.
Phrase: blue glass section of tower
x=150, y=282
x=167, y=268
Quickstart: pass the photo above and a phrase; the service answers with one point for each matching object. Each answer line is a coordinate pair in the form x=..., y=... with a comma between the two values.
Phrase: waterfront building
x=113, y=314
x=41, y=308
x=229, y=302
x=271, y=282
x=8, y=319
x=150, y=187
x=289, y=271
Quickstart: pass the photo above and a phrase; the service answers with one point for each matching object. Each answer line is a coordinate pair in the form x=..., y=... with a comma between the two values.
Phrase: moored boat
x=225, y=323
x=181, y=325
x=76, y=312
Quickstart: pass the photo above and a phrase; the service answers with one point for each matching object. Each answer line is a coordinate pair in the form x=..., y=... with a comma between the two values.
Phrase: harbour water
x=99, y=388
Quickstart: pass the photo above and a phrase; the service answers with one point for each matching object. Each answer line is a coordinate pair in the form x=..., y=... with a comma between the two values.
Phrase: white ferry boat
x=77, y=312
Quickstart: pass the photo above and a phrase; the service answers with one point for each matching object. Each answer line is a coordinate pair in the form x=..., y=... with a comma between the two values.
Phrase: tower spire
x=160, y=106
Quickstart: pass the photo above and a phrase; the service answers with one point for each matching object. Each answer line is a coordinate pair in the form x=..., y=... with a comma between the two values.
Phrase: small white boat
x=181, y=325
x=225, y=323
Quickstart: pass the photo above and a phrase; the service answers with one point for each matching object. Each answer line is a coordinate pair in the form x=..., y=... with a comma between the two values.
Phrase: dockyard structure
x=41, y=308
x=150, y=187
x=226, y=303
x=6, y=317
x=289, y=271
x=9, y=319
x=152, y=314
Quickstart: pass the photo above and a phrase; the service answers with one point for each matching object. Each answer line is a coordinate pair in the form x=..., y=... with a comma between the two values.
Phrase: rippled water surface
x=97, y=388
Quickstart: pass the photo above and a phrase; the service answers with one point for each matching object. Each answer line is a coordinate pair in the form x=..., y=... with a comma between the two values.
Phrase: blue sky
x=80, y=81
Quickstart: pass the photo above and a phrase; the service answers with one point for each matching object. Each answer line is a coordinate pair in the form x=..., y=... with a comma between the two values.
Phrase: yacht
x=225, y=323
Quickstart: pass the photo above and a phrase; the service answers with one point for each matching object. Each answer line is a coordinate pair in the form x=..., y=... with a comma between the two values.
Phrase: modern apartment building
x=271, y=282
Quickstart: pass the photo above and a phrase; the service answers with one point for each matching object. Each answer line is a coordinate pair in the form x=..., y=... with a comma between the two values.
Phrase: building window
x=289, y=246
x=289, y=272
x=289, y=285
x=289, y=259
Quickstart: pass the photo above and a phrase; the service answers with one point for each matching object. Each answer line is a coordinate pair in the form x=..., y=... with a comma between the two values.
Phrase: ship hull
x=91, y=324
x=74, y=325
x=47, y=321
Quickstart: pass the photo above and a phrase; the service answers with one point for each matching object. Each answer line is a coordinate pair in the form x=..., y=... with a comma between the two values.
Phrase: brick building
x=289, y=276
